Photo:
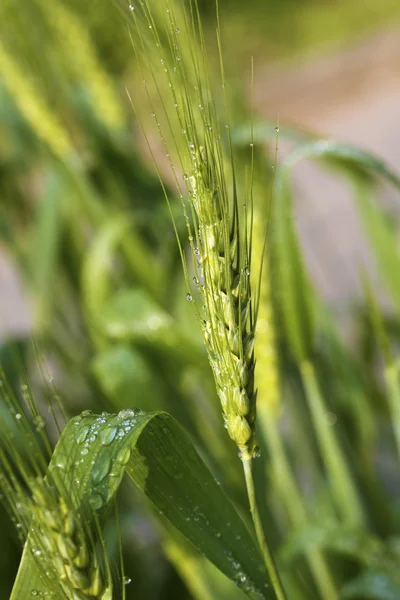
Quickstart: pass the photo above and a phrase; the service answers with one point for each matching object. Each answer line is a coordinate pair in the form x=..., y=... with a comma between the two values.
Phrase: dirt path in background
x=353, y=97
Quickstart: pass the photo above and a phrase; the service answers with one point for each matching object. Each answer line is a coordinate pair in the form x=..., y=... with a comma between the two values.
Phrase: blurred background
x=88, y=258
x=326, y=66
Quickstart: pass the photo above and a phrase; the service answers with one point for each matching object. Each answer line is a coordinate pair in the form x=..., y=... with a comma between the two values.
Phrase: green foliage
x=86, y=221
x=90, y=460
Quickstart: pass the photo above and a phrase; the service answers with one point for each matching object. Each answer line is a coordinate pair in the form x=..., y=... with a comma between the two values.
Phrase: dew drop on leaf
x=107, y=435
x=81, y=434
x=96, y=501
x=100, y=470
x=123, y=456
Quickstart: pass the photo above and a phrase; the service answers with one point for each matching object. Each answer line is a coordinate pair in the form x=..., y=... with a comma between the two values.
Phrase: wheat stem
x=265, y=550
x=290, y=494
x=343, y=487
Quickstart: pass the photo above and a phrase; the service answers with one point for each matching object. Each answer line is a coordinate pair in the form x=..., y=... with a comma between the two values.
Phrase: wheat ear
x=57, y=530
x=228, y=326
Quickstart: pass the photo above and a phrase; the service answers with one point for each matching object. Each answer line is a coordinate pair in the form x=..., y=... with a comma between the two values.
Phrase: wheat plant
x=101, y=243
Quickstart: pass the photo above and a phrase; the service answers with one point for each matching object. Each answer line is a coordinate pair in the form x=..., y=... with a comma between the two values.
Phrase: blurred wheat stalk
x=225, y=203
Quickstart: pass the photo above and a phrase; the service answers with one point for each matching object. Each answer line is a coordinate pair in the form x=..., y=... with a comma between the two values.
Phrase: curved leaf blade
x=91, y=458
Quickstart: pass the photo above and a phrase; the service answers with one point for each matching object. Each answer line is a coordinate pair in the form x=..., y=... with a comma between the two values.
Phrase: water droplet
x=251, y=144
x=18, y=416
x=81, y=434
x=131, y=7
x=96, y=501
x=184, y=131
x=201, y=107
x=127, y=580
x=129, y=413
x=123, y=456
x=86, y=413
x=189, y=297
x=330, y=418
x=61, y=462
x=257, y=452
x=150, y=26
x=185, y=177
x=176, y=104
x=39, y=422
x=277, y=129
x=153, y=114
x=177, y=30
x=100, y=470
x=84, y=452
x=227, y=126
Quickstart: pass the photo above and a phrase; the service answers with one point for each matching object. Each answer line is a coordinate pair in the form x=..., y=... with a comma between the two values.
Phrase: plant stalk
x=343, y=487
x=393, y=388
x=291, y=496
x=265, y=550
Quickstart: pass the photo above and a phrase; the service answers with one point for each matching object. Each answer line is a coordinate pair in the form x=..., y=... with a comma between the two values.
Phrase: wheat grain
x=219, y=238
x=58, y=531
x=228, y=325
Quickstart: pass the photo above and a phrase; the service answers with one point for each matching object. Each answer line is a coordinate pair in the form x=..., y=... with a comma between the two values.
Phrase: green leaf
x=98, y=264
x=296, y=300
x=133, y=315
x=381, y=238
x=352, y=543
x=91, y=458
x=376, y=320
x=372, y=585
x=127, y=377
x=343, y=154
x=295, y=305
x=204, y=581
